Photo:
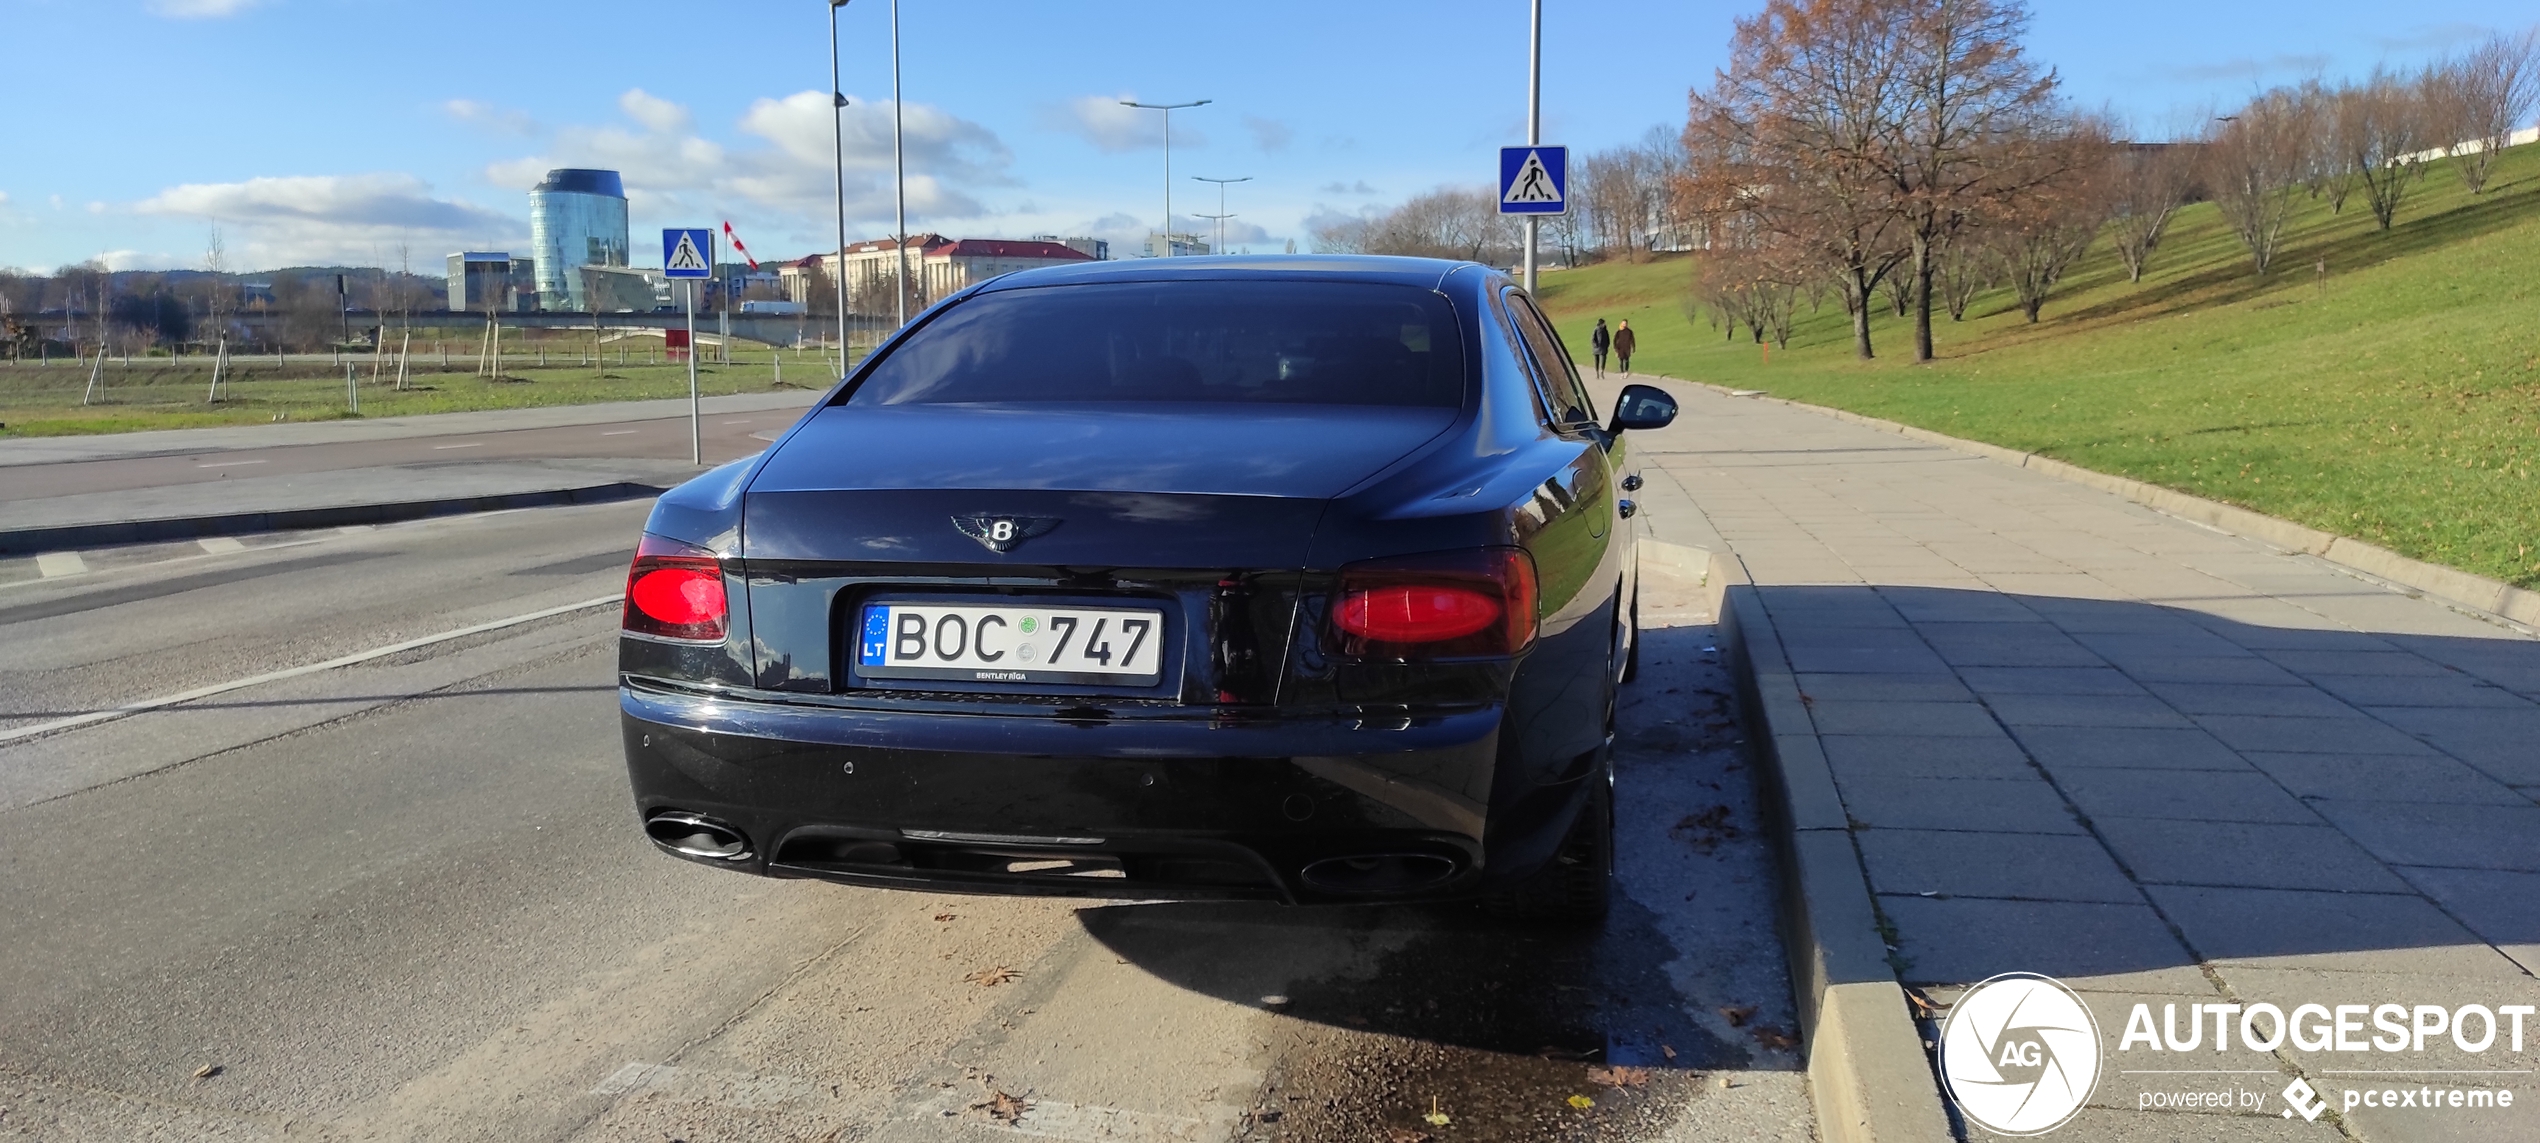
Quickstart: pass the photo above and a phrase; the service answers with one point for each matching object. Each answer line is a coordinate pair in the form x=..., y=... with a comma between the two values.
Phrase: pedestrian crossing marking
x=686, y=256
x=1533, y=183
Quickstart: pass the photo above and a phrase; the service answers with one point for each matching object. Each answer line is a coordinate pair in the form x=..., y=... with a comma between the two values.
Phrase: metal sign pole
x=1534, y=122
x=696, y=433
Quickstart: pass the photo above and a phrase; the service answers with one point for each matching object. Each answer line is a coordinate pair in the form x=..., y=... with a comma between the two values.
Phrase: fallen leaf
x=1582, y=1102
x=1668, y=1051
x=1359, y=1021
x=946, y=916
x=1557, y=1052
x=1618, y=1076
x=1737, y=1017
x=1775, y=1038
x=1435, y=1117
x=992, y=976
x=1706, y=830
x=207, y=1071
x=1004, y=1108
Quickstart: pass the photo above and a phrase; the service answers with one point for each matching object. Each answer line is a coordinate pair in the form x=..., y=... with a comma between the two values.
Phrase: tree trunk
x=1922, y=298
x=1858, y=296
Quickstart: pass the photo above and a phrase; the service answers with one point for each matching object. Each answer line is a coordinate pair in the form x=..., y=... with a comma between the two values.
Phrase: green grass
x=2395, y=399
x=164, y=393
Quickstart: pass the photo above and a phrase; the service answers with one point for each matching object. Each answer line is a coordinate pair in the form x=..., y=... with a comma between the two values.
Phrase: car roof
x=1426, y=273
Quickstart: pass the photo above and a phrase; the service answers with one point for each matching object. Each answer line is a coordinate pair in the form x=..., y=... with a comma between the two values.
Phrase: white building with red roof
x=937, y=266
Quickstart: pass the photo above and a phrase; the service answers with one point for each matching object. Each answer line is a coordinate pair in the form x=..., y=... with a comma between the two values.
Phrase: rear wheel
x=1631, y=638
x=1573, y=890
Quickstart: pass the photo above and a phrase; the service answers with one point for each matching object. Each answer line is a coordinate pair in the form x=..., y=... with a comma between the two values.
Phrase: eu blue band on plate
x=877, y=636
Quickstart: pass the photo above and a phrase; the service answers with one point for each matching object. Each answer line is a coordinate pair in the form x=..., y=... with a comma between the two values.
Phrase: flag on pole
x=735, y=240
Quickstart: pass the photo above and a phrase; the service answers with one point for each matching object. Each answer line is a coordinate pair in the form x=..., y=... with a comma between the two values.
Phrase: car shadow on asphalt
x=1684, y=979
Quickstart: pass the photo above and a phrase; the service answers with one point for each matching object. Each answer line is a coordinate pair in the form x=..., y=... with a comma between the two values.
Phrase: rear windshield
x=1331, y=343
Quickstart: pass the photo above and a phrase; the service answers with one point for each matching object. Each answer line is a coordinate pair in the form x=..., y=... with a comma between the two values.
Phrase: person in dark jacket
x=1598, y=340
x=1623, y=343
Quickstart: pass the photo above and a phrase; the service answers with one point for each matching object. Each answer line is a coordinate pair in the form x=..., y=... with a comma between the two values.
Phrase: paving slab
x=2204, y=759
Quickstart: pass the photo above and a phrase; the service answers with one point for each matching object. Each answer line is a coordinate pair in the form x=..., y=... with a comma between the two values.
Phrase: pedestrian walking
x=1623, y=343
x=1599, y=339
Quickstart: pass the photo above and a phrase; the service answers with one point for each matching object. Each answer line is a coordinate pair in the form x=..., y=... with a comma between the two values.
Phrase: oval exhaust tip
x=697, y=835
x=1378, y=872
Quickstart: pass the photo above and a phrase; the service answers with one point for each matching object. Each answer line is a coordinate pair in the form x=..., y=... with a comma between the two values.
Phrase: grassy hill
x=2394, y=398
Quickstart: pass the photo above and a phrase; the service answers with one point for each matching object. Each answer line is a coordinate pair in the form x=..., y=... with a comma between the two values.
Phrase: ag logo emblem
x=1002, y=533
x=2020, y=1053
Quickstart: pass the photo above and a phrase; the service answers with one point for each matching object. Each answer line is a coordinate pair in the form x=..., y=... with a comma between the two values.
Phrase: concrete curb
x=75, y=536
x=2451, y=585
x=1869, y=1078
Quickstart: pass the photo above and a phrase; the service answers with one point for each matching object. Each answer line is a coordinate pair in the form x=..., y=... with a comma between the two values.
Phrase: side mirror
x=1643, y=407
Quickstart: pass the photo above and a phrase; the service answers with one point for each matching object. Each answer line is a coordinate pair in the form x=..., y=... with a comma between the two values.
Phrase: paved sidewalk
x=2163, y=764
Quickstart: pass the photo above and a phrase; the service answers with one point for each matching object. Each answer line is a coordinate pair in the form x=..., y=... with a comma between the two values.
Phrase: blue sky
x=336, y=130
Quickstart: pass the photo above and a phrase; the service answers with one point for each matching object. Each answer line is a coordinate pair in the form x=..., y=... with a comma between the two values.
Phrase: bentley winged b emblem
x=1001, y=533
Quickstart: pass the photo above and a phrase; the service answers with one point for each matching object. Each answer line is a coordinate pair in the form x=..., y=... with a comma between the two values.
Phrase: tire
x=1574, y=889
x=1631, y=656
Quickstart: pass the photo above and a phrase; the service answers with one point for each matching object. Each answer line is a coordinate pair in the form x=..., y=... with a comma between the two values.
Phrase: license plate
x=993, y=643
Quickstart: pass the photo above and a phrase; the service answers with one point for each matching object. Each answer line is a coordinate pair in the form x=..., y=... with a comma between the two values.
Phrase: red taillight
x=1444, y=605
x=675, y=591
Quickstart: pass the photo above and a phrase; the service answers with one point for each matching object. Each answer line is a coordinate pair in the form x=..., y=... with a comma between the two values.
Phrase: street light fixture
x=1221, y=216
x=1168, y=109
x=838, y=151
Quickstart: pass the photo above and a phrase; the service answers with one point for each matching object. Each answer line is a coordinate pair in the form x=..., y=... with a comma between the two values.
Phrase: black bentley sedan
x=1302, y=578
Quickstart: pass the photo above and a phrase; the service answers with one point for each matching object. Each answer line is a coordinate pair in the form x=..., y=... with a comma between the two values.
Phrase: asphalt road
x=407, y=899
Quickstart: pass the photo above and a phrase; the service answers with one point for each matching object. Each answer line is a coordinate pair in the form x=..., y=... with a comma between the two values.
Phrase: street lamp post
x=838, y=150
x=1221, y=216
x=1168, y=109
x=899, y=170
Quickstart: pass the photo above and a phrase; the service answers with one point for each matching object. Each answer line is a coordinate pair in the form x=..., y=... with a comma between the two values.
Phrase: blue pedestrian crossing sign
x=687, y=253
x=1534, y=180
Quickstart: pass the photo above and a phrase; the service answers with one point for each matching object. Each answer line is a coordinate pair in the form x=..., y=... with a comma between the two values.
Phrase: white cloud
x=201, y=9
x=1107, y=122
x=487, y=115
x=783, y=168
x=321, y=218
x=654, y=112
x=1269, y=134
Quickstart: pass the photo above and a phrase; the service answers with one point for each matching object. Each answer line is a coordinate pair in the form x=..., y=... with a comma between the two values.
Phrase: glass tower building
x=577, y=218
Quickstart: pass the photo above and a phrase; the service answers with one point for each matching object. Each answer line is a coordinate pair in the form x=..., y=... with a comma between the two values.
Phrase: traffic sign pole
x=1534, y=124
x=696, y=434
x=687, y=256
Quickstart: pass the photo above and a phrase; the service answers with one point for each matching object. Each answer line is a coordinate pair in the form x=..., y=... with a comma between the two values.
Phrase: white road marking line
x=228, y=463
x=355, y=529
x=145, y=705
x=619, y=433
x=470, y=444
x=218, y=545
x=742, y=421
x=50, y=564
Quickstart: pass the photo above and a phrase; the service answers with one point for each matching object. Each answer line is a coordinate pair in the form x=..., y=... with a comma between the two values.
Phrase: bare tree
x=2385, y=134
x=2255, y=162
x=1975, y=107
x=1791, y=142
x=2038, y=236
x=2146, y=184
x=2486, y=96
x=1966, y=269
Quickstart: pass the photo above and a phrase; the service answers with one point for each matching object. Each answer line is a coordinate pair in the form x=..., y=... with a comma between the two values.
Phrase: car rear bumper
x=1299, y=811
